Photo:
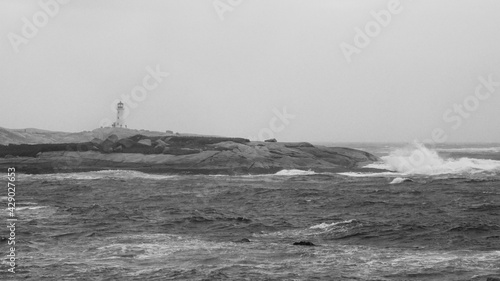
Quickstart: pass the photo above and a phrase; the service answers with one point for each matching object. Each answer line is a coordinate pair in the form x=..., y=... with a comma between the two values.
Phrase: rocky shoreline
x=181, y=154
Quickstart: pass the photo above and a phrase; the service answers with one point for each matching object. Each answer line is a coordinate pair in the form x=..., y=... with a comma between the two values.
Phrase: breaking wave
x=294, y=172
x=318, y=229
x=364, y=175
x=328, y=226
x=104, y=174
x=419, y=160
x=399, y=180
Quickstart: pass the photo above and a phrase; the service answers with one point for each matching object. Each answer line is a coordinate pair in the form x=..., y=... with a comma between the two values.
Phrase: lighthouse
x=120, y=122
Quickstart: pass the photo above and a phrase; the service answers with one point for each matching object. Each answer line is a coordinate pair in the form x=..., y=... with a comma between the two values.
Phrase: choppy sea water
x=438, y=220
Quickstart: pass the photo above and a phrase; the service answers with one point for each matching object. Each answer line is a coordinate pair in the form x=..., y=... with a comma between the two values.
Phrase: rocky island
x=38, y=151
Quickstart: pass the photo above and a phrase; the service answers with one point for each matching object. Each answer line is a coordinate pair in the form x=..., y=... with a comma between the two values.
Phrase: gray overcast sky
x=232, y=69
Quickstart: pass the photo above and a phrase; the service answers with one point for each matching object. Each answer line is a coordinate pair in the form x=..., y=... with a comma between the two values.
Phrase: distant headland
x=40, y=151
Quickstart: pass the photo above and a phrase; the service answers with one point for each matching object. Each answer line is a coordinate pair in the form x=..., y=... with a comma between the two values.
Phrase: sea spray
x=419, y=160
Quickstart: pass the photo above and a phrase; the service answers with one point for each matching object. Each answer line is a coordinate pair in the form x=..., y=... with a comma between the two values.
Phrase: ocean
x=435, y=216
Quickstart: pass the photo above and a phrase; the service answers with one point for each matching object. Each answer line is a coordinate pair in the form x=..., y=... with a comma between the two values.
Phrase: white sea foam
x=398, y=180
x=30, y=208
x=419, y=160
x=154, y=246
x=364, y=175
x=326, y=226
x=471, y=149
x=294, y=172
x=318, y=229
x=104, y=174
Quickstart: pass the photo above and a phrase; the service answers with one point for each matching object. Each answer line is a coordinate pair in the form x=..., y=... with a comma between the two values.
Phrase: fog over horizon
x=317, y=71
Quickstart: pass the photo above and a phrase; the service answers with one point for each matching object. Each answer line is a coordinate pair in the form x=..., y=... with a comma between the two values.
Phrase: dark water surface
x=124, y=225
x=129, y=226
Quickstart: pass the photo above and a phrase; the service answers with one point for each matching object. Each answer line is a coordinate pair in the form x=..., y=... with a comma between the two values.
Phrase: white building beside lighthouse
x=120, y=122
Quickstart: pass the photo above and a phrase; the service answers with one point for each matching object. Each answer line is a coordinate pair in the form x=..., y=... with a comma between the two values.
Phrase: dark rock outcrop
x=244, y=240
x=127, y=143
x=109, y=144
x=304, y=243
x=182, y=154
x=146, y=142
x=96, y=141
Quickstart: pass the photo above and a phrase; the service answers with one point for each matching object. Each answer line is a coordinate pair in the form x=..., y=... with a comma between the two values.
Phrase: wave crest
x=399, y=180
x=294, y=172
x=103, y=174
x=419, y=160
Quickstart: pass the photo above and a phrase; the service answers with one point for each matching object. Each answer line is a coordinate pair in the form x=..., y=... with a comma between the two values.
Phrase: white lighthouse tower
x=120, y=122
